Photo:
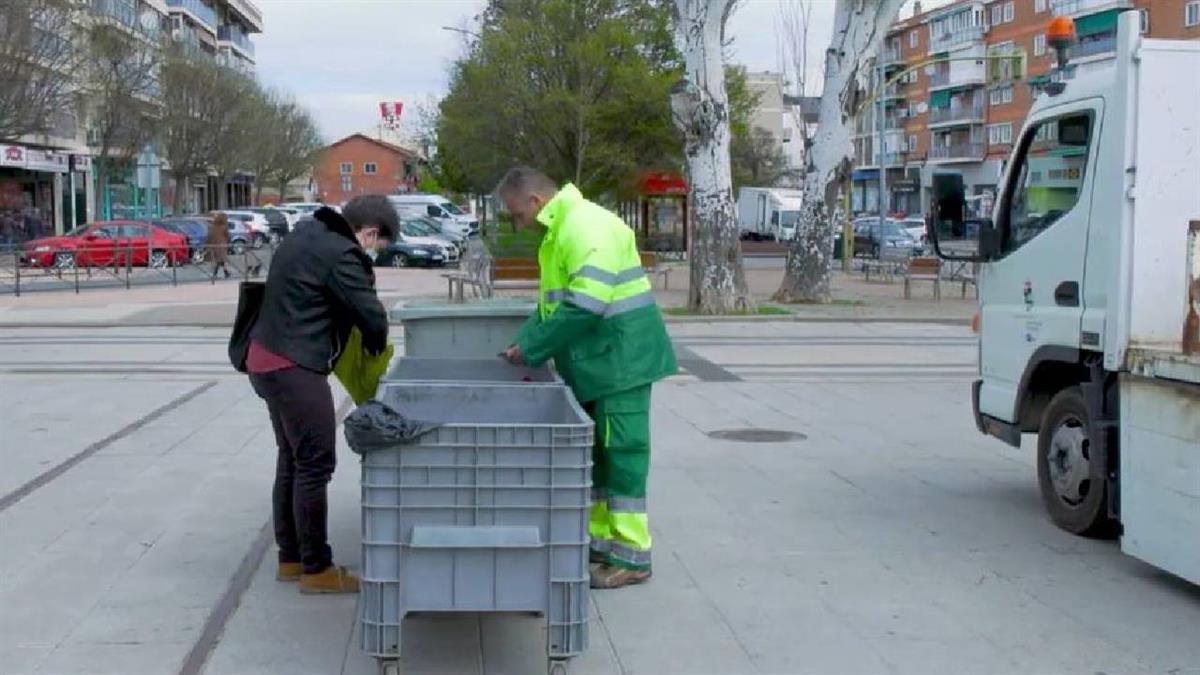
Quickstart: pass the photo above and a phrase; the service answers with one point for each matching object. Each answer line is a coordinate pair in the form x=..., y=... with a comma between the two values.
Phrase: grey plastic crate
x=468, y=371
x=486, y=513
x=469, y=330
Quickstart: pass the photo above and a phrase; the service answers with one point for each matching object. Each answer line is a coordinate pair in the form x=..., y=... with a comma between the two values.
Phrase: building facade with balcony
x=962, y=116
x=219, y=29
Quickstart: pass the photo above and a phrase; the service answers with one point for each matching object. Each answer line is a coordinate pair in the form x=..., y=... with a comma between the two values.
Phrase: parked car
x=404, y=254
x=195, y=229
x=437, y=207
x=309, y=207
x=116, y=242
x=428, y=228
x=257, y=223
x=277, y=220
x=890, y=242
x=915, y=228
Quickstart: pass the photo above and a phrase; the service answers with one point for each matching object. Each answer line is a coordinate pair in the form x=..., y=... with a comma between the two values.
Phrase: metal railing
x=129, y=265
x=198, y=9
x=973, y=34
x=234, y=35
x=966, y=113
x=964, y=151
x=1073, y=7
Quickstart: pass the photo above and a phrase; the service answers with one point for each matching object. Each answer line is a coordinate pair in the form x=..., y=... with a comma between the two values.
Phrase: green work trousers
x=618, y=525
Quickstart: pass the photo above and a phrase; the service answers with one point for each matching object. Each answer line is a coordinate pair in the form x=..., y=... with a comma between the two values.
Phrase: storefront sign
x=904, y=186
x=12, y=155
x=81, y=163
x=45, y=160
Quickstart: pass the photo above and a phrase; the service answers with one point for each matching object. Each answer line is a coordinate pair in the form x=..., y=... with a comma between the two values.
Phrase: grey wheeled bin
x=470, y=330
x=487, y=512
x=468, y=371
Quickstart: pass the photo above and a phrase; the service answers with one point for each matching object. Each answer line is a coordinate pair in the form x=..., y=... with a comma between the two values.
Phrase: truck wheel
x=1071, y=477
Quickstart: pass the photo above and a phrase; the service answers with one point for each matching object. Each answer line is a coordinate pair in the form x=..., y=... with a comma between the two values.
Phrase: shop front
x=31, y=193
x=663, y=213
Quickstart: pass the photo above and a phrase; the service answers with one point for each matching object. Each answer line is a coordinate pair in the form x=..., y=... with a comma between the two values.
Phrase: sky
x=341, y=58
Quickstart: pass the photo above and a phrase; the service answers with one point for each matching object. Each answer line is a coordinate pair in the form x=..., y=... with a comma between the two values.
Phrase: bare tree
x=859, y=28
x=284, y=143
x=121, y=84
x=700, y=108
x=37, y=65
x=193, y=100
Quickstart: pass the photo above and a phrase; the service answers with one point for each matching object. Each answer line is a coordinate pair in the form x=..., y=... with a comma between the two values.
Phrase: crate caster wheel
x=558, y=667
x=389, y=667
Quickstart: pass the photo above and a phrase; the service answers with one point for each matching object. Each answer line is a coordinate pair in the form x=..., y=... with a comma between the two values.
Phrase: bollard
x=17, y=267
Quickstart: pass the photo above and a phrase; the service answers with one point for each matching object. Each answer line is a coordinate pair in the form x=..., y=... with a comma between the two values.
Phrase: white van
x=437, y=207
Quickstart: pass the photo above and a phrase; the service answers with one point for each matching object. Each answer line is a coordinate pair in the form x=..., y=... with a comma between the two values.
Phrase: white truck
x=1089, y=299
x=768, y=214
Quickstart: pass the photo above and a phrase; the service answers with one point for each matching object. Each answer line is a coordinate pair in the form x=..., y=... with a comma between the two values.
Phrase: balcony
x=957, y=152
x=943, y=80
x=234, y=36
x=964, y=36
x=250, y=14
x=123, y=12
x=889, y=56
x=1106, y=44
x=202, y=13
x=1075, y=8
x=957, y=115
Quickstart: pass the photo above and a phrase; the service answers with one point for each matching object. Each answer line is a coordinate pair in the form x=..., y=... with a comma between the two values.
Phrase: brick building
x=359, y=165
x=962, y=117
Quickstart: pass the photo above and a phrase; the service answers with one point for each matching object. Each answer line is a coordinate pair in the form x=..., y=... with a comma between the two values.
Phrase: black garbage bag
x=376, y=426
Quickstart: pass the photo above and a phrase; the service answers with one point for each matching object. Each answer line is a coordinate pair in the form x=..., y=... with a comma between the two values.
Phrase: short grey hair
x=523, y=180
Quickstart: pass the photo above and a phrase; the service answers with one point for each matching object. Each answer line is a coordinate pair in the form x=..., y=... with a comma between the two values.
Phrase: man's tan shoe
x=608, y=577
x=289, y=572
x=333, y=580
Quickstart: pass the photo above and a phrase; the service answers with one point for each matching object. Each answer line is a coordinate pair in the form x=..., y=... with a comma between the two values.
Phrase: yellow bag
x=358, y=372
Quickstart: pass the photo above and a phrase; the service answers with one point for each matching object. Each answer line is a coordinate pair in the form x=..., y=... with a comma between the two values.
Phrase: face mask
x=372, y=254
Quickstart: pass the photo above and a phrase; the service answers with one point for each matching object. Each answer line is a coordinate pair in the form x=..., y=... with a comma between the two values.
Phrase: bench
x=509, y=274
x=923, y=269
x=653, y=267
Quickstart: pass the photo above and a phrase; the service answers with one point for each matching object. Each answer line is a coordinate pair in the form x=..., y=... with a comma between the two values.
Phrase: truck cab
x=1088, y=289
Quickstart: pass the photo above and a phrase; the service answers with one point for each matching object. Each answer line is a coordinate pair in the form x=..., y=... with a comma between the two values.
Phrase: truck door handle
x=1067, y=294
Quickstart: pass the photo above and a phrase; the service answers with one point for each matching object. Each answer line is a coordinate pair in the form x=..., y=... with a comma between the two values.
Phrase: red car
x=114, y=242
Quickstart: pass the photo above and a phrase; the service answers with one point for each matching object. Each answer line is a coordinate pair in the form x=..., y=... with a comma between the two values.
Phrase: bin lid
x=408, y=310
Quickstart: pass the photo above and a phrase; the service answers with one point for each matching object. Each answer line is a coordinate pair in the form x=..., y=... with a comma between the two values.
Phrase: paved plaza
x=890, y=538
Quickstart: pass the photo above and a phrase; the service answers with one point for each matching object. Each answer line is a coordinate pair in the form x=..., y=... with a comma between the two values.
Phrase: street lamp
x=464, y=31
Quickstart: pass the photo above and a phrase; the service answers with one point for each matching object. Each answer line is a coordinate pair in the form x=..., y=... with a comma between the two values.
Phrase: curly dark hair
x=372, y=211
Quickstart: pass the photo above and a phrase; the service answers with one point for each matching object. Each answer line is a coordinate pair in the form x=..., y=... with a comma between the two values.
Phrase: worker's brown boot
x=289, y=572
x=333, y=580
x=608, y=576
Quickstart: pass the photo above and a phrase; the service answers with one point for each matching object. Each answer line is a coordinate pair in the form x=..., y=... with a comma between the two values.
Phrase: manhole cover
x=757, y=435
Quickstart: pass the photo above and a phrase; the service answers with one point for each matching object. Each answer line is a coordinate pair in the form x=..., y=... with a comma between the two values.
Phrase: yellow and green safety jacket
x=596, y=316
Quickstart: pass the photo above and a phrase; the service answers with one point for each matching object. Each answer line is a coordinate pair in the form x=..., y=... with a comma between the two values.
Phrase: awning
x=939, y=99
x=1092, y=24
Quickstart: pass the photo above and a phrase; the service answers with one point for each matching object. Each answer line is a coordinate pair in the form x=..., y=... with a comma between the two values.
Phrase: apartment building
x=780, y=115
x=220, y=29
x=960, y=117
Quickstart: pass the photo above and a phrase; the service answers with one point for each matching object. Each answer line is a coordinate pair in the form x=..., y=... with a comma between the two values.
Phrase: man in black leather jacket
x=321, y=285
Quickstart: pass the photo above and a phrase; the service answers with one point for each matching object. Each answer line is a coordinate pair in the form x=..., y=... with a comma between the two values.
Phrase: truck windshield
x=789, y=218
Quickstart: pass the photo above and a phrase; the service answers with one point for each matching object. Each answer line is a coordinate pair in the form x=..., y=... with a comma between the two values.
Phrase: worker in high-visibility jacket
x=597, y=318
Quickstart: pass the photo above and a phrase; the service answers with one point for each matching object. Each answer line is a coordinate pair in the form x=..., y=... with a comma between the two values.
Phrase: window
x=370, y=168
x=1048, y=180
x=1001, y=95
x=1040, y=6
x=1191, y=14
x=135, y=231
x=912, y=39
x=914, y=109
x=1010, y=12
x=434, y=210
x=997, y=14
x=1144, y=21
x=912, y=143
x=346, y=169
x=1000, y=134
x=1039, y=44
x=347, y=183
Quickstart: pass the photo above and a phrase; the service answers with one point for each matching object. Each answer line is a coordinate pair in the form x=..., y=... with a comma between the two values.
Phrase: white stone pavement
x=894, y=539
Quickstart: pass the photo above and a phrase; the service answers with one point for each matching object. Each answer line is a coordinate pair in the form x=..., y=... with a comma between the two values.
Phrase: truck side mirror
x=956, y=237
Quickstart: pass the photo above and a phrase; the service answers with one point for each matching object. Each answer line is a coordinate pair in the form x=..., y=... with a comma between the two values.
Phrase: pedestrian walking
x=597, y=318
x=216, y=243
x=320, y=287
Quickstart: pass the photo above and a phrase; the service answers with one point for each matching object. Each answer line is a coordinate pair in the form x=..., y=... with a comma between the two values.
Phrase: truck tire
x=1071, y=478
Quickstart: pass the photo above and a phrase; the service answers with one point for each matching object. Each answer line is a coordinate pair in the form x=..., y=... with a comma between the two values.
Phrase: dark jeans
x=302, y=414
